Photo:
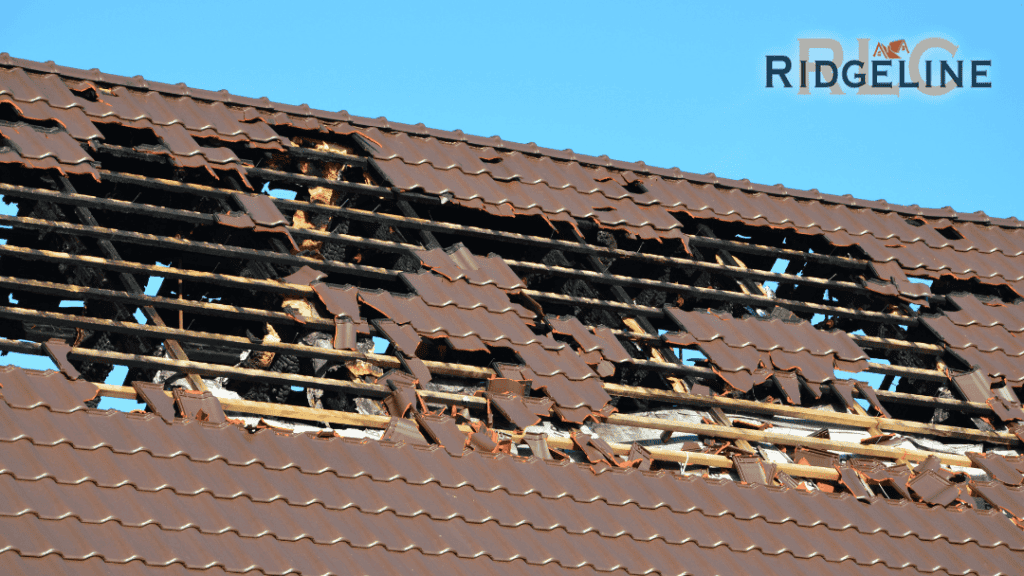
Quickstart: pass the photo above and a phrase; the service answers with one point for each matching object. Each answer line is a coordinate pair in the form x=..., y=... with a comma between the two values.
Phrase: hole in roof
x=780, y=266
x=380, y=345
x=950, y=233
x=71, y=304
x=139, y=316
x=8, y=208
x=279, y=192
x=119, y=404
x=153, y=285
x=915, y=221
x=10, y=113
x=636, y=187
x=925, y=281
x=11, y=299
x=848, y=375
x=85, y=91
x=120, y=135
x=772, y=286
x=117, y=377
x=30, y=361
x=691, y=356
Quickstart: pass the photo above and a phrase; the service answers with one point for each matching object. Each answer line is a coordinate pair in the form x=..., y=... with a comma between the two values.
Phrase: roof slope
x=591, y=365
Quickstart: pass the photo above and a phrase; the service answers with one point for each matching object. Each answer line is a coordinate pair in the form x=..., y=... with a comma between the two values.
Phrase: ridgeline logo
x=885, y=72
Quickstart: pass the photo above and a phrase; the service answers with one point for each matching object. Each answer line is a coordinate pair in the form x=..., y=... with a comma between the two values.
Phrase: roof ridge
x=181, y=89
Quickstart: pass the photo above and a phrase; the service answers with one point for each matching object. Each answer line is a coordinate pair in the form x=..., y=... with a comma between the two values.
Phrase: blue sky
x=672, y=84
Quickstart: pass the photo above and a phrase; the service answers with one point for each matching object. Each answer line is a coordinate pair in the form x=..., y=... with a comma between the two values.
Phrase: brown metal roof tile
x=73, y=120
x=1007, y=411
x=1003, y=497
x=815, y=457
x=933, y=488
x=999, y=467
x=754, y=470
x=402, y=336
x=35, y=87
x=182, y=145
x=789, y=385
x=34, y=145
x=767, y=335
x=514, y=409
x=444, y=431
x=974, y=311
x=994, y=365
x=202, y=406
x=852, y=481
x=539, y=406
x=27, y=389
x=404, y=396
x=867, y=392
x=601, y=339
x=465, y=327
x=261, y=209
x=58, y=351
x=983, y=338
x=508, y=385
x=538, y=443
x=438, y=292
x=478, y=270
x=404, y=430
x=159, y=402
x=305, y=276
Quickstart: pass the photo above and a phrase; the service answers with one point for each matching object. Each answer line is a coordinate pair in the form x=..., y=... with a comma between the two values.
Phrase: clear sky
x=672, y=84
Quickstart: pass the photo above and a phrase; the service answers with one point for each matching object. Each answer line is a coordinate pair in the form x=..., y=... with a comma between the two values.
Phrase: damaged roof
x=365, y=346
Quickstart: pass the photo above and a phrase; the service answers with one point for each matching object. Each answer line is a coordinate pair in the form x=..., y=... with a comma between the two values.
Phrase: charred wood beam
x=173, y=348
